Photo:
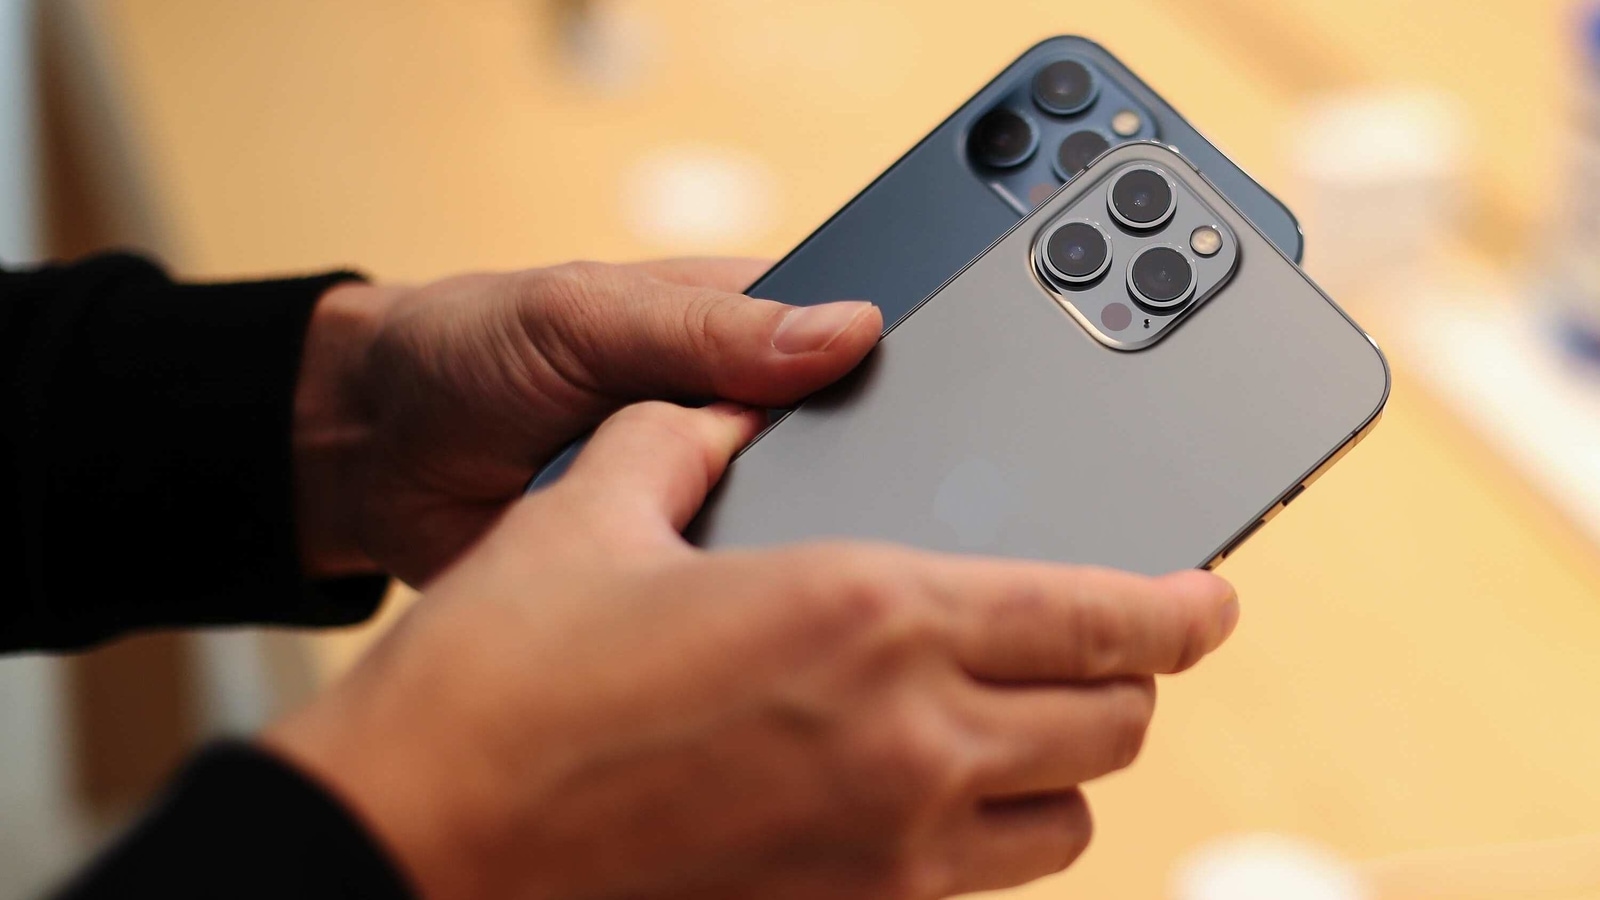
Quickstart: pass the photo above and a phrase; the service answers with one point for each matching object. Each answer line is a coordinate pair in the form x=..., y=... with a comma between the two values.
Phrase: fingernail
x=1230, y=617
x=813, y=328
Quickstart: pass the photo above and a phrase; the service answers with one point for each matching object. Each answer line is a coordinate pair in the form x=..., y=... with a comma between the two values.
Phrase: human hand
x=589, y=707
x=422, y=412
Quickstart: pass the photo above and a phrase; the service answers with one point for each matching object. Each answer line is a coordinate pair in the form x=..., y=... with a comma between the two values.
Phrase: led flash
x=1205, y=240
x=1126, y=123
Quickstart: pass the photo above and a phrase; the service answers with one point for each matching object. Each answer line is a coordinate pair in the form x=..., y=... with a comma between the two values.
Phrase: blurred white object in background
x=699, y=199
x=1382, y=181
x=1493, y=359
x=19, y=172
x=39, y=834
x=1279, y=867
x=1555, y=868
x=1526, y=375
x=1266, y=867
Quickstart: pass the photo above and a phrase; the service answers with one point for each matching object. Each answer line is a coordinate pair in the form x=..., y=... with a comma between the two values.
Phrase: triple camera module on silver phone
x=1160, y=278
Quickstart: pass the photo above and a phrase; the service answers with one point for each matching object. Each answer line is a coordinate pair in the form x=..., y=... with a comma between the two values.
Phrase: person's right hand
x=590, y=708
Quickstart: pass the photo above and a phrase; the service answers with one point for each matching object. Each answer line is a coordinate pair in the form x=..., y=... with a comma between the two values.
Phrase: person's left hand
x=421, y=413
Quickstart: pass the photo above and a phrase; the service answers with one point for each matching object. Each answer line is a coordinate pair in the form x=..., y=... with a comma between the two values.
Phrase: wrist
x=380, y=758
x=332, y=428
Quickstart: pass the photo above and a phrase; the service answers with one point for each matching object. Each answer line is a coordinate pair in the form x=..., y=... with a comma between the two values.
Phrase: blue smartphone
x=1003, y=153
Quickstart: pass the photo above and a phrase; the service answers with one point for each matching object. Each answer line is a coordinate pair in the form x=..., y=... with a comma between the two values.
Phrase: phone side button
x=1290, y=497
x=1244, y=536
x=1272, y=513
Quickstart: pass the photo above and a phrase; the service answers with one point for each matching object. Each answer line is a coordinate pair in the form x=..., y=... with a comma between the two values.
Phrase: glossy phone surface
x=940, y=205
x=1016, y=412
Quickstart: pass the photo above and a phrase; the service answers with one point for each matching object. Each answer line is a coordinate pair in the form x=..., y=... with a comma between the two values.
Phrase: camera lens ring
x=1058, y=260
x=1157, y=294
x=1088, y=145
x=1065, y=87
x=1151, y=182
x=1002, y=138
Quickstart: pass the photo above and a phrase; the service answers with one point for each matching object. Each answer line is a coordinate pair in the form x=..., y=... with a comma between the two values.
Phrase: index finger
x=1019, y=621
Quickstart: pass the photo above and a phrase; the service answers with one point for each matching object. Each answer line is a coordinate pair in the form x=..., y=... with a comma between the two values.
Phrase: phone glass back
x=993, y=419
x=936, y=208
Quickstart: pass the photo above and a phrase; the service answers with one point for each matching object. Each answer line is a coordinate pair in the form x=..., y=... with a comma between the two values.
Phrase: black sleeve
x=241, y=824
x=145, y=450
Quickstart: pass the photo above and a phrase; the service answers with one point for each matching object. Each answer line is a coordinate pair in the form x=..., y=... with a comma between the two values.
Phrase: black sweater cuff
x=149, y=443
x=240, y=823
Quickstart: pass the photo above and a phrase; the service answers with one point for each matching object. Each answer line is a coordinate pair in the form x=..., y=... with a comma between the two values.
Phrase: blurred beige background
x=1418, y=667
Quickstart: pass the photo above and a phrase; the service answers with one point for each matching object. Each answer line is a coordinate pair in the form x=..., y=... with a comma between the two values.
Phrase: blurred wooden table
x=1419, y=661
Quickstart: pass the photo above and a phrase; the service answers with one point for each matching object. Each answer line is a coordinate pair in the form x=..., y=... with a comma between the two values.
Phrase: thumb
x=629, y=334
x=655, y=462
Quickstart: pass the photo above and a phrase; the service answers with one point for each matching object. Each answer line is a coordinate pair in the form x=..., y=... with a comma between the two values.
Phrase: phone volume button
x=1243, y=536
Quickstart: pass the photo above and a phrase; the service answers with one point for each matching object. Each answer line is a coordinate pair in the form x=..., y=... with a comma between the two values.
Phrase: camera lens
x=1078, y=150
x=1077, y=252
x=1142, y=199
x=1002, y=139
x=1064, y=87
x=1161, y=277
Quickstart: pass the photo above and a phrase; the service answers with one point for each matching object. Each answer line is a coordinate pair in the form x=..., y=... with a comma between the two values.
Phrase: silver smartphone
x=1133, y=376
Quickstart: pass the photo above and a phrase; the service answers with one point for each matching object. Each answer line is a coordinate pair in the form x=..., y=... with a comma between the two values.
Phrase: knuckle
x=699, y=317
x=570, y=317
x=671, y=432
x=657, y=421
x=651, y=414
x=571, y=286
x=1075, y=829
x=920, y=749
x=582, y=272
x=916, y=877
x=859, y=590
x=1097, y=638
x=1129, y=728
x=1024, y=602
x=1017, y=612
x=1192, y=647
x=918, y=771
